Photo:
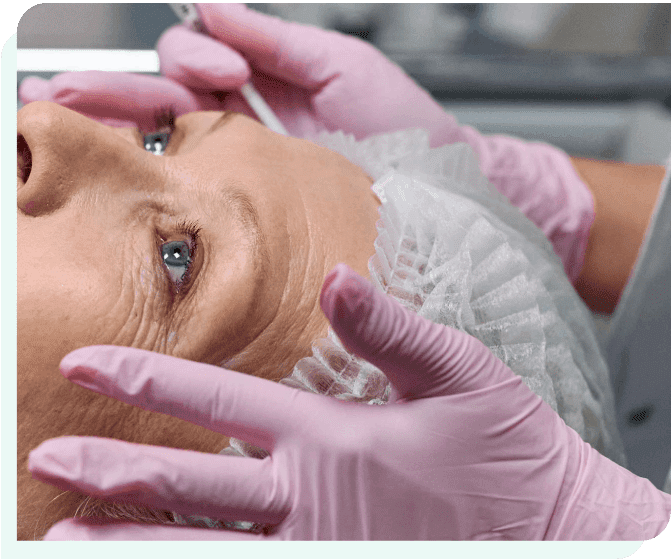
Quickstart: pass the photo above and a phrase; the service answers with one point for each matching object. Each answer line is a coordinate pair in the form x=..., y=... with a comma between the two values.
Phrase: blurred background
x=592, y=79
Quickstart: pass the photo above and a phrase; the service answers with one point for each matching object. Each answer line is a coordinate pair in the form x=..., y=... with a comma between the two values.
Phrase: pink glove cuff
x=540, y=180
x=565, y=209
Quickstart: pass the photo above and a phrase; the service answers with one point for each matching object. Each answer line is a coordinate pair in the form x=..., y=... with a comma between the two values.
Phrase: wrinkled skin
x=93, y=216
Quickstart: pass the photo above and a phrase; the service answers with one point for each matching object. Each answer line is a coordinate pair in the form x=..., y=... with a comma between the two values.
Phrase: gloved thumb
x=420, y=358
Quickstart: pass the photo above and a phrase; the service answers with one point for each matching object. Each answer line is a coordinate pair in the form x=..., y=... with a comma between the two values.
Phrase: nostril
x=24, y=159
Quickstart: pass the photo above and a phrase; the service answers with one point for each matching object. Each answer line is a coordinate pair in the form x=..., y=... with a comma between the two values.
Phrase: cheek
x=56, y=306
x=48, y=327
x=59, y=309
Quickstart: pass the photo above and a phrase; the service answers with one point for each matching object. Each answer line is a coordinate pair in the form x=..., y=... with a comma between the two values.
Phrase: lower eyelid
x=177, y=279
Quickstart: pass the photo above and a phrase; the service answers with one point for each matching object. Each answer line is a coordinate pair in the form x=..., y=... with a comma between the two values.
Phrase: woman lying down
x=216, y=251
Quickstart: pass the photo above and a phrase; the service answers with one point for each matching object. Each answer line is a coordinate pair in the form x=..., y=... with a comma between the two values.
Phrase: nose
x=60, y=152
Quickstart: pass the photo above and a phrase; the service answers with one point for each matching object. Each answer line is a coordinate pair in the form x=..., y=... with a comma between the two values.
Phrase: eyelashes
x=164, y=127
x=178, y=257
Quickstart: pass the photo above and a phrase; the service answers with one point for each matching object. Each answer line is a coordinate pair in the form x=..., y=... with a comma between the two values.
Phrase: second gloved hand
x=464, y=450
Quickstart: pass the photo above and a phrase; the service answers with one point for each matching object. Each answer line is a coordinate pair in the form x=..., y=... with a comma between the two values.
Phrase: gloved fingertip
x=343, y=293
x=33, y=88
x=74, y=367
x=229, y=77
x=173, y=33
x=52, y=458
x=62, y=531
x=34, y=458
x=70, y=529
x=207, y=11
x=334, y=274
x=332, y=279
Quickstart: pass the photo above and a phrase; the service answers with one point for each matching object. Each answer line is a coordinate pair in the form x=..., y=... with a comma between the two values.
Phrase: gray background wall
x=617, y=29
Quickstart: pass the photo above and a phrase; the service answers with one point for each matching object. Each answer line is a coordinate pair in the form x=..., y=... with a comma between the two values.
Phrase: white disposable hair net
x=456, y=252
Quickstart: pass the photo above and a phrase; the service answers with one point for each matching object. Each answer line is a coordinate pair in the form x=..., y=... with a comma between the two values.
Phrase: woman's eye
x=157, y=142
x=177, y=258
x=164, y=126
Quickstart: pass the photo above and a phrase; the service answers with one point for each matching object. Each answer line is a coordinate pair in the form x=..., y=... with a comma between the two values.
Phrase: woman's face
x=214, y=252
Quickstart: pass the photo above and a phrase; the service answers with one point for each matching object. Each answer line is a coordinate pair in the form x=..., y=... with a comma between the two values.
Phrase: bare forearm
x=625, y=196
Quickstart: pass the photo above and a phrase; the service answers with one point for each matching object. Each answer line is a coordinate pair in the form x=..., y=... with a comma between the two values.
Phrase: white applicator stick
x=188, y=14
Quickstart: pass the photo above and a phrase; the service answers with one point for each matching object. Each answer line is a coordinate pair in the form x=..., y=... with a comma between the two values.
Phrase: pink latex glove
x=315, y=80
x=464, y=450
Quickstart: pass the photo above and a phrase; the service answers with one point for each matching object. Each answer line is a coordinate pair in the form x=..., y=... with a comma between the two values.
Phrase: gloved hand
x=312, y=78
x=315, y=80
x=463, y=450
